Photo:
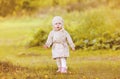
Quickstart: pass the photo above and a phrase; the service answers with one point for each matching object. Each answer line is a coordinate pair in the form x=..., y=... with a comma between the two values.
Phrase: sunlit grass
x=81, y=64
x=13, y=28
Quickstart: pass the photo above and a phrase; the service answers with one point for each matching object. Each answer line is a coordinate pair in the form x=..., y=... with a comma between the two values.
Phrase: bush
x=39, y=38
x=89, y=30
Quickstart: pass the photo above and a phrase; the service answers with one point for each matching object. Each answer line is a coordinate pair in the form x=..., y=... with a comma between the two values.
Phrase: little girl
x=58, y=38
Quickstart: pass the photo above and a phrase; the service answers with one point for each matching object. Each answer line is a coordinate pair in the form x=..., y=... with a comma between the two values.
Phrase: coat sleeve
x=69, y=39
x=49, y=39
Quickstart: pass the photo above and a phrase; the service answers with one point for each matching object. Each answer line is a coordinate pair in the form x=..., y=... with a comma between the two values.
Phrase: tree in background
x=7, y=7
x=16, y=7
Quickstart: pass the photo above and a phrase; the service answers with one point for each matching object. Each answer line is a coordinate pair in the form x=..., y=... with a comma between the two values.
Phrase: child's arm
x=69, y=39
x=49, y=40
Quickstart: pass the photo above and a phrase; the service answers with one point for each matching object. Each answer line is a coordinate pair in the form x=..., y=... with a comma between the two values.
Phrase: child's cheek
x=60, y=26
x=55, y=26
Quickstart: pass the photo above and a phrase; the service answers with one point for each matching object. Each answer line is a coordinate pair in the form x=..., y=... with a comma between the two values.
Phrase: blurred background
x=36, y=7
x=93, y=24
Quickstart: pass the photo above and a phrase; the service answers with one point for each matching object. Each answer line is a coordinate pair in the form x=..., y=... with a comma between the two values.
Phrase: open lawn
x=20, y=62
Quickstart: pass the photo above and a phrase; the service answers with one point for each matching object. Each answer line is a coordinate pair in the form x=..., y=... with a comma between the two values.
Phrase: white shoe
x=63, y=70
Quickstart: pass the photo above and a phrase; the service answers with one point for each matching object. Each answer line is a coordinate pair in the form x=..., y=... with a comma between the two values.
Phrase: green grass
x=37, y=63
x=20, y=62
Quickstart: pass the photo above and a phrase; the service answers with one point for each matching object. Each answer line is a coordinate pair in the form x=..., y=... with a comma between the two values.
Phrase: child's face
x=58, y=26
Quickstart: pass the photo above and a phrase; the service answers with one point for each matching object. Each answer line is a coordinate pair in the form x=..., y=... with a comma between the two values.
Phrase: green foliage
x=91, y=31
x=29, y=7
x=39, y=37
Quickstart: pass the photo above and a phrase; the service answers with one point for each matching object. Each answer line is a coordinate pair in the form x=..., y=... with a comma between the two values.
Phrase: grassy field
x=20, y=62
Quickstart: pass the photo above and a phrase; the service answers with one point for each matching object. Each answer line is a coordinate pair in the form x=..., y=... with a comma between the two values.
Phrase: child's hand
x=45, y=46
x=73, y=49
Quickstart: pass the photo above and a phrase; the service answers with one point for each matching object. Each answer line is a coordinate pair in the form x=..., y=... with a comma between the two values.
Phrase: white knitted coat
x=58, y=40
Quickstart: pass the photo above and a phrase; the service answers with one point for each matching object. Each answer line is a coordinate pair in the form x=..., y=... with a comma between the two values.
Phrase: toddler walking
x=58, y=38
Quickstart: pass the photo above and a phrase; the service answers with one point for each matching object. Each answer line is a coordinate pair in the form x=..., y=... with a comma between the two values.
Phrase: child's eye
x=59, y=23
